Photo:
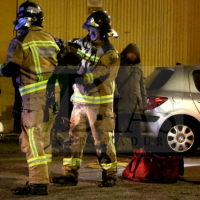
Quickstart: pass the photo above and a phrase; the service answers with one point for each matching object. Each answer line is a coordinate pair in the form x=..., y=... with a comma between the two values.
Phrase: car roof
x=177, y=67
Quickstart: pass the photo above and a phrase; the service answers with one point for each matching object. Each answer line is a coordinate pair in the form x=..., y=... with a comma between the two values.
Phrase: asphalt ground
x=14, y=172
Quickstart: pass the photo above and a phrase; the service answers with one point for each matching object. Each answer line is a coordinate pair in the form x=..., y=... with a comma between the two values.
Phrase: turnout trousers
x=101, y=121
x=35, y=139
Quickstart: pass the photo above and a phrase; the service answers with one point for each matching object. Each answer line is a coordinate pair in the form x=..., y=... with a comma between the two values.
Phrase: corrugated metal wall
x=7, y=91
x=166, y=31
x=180, y=27
x=138, y=21
x=55, y=16
x=193, y=27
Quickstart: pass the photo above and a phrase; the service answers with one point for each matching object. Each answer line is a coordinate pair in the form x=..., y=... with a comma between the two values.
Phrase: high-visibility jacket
x=32, y=58
x=99, y=67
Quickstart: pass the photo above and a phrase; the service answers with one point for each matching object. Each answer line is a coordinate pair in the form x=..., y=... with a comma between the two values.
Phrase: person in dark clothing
x=132, y=96
x=66, y=73
x=16, y=113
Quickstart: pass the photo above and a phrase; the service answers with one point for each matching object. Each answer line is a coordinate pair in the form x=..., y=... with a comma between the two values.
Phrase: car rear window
x=196, y=76
x=158, y=79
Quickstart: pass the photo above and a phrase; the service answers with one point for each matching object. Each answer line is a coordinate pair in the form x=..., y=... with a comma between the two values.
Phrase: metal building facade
x=166, y=31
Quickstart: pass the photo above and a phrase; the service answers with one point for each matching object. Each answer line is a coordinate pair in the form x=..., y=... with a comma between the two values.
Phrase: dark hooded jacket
x=130, y=84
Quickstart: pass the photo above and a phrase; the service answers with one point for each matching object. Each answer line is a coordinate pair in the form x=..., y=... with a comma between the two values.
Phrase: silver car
x=173, y=110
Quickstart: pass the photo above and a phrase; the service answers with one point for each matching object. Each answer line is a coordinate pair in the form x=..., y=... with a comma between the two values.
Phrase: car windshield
x=158, y=78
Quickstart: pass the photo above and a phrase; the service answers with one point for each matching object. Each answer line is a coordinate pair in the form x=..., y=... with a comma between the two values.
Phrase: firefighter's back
x=40, y=58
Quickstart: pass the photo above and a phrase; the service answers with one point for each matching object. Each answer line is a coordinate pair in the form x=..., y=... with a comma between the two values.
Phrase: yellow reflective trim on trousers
x=40, y=43
x=92, y=100
x=111, y=142
x=87, y=56
x=72, y=162
x=48, y=157
x=32, y=142
x=40, y=160
x=109, y=166
x=37, y=63
x=35, y=87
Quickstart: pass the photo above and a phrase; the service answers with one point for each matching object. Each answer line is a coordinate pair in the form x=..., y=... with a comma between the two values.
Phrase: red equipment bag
x=152, y=168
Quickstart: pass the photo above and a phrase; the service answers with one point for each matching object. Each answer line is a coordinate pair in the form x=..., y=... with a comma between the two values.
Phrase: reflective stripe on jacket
x=35, y=51
x=79, y=98
x=35, y=87
x=99, y=67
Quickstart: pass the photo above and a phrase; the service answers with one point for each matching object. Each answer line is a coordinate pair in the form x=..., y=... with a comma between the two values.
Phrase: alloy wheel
x=180, y=138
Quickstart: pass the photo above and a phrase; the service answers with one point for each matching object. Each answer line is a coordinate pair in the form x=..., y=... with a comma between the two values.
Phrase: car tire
x=179, y=135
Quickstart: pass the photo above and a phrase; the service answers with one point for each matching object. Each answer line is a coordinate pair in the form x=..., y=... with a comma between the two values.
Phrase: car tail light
x=154, y=102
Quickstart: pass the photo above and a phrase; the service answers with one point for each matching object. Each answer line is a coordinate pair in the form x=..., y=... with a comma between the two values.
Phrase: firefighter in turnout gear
x=93, y=101
x=32, y=57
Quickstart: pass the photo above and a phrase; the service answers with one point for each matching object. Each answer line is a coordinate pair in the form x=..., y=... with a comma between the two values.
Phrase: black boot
x=32, y=189
x=109, y=178
x=65, y=181
x=108, y=183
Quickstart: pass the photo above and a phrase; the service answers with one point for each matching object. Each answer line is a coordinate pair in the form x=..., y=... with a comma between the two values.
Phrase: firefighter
x=32, y=57
x=93, y=102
